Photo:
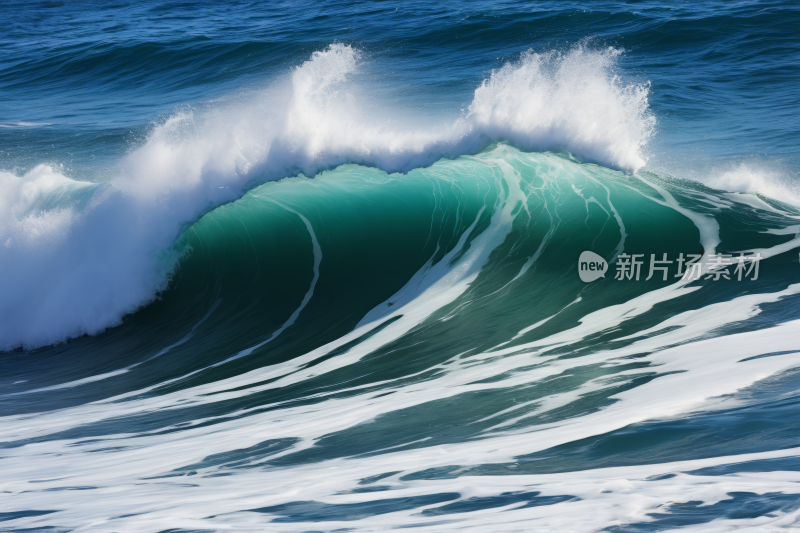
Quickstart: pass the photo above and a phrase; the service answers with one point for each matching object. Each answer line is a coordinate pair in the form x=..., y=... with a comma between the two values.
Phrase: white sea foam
x=76, y=268
x=566, y=100
x=751, y=179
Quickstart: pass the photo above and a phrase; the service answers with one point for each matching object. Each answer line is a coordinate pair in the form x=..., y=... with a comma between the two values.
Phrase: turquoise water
x=315, y=267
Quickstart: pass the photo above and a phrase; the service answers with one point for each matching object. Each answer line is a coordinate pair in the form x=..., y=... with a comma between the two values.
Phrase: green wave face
x=253, y=260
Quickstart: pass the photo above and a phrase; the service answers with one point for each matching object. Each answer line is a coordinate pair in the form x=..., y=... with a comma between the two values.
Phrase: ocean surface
x=314, y=266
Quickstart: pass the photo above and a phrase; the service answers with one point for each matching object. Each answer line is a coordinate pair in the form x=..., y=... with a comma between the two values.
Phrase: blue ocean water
x=315, y=266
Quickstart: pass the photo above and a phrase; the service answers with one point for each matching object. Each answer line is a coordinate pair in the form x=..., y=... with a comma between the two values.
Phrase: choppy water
x=314, y=267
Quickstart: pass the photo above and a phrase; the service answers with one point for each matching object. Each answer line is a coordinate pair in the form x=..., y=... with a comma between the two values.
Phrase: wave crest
x=567, y=100
x=104, y=252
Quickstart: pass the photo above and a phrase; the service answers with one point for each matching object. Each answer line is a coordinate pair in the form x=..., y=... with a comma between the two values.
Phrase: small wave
x=24, y=124
x=752, y=179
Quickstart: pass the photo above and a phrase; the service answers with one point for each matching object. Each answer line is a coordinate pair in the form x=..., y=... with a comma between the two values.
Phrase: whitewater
x=325, y=298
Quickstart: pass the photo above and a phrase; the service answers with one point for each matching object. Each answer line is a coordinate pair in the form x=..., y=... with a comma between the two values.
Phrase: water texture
x=314, y=266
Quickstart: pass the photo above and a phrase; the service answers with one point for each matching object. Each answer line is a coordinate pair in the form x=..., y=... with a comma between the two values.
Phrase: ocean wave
x=78, y=269
x=371, y=351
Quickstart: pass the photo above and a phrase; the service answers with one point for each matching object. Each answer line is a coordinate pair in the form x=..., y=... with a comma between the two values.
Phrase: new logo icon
x=591, y=266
